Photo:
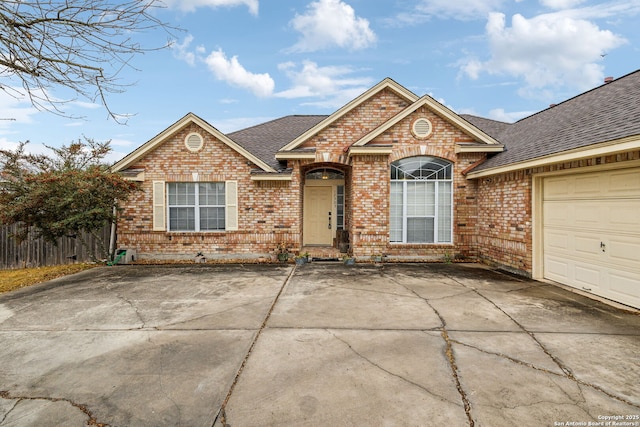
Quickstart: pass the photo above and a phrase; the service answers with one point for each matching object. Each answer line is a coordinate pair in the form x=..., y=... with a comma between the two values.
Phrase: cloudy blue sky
x=241, y=62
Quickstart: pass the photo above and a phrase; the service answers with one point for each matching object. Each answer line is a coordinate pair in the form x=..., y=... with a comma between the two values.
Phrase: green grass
x=21, y=277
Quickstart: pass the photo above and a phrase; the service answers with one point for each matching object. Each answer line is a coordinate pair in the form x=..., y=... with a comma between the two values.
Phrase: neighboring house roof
x=610, y=112
x=264, y=140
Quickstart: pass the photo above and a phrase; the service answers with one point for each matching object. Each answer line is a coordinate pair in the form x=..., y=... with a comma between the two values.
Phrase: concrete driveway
x=320, y=344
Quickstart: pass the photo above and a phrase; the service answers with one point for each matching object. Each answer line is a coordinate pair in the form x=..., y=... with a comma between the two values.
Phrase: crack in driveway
x=229, y=308
x=135, y=309
x=222, y=415
x=92, y=421
x=449, y=352
x=479, y=359
x=555, y=359
x=577, y=381
x=371, y=362
x=15, y=403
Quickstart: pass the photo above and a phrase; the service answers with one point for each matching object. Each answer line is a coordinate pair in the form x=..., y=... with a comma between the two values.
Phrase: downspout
x=474, y=165
x=112, y=237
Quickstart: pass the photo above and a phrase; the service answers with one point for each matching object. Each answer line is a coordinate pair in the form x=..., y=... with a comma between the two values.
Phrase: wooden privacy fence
x=37, y=252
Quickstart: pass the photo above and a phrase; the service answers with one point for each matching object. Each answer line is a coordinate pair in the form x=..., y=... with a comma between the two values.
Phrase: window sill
x=190, y=233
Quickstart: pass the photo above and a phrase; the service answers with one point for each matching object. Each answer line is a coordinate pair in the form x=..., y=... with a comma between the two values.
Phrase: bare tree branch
x=81, y=45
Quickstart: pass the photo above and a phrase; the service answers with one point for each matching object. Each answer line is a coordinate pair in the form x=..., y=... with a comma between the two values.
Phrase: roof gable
x=136, y=155
x=437, y=108
x=387, y=83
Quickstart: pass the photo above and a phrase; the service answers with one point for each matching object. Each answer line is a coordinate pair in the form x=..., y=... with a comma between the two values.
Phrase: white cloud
x=624, y=8
x=14, y=108
x=5, y=144
x=86, y=105
x=330, y=84
x=227, y=70
x=509, y=117
x=463, y=10
x=472, y=67
x=560, y=4
x=30, y=148
x=442, y=101
x=546, y=51
x=232, y=72
x=329, y=23
x=237, y=123
x=181, y=50
x=121, y=142
x=192, y=5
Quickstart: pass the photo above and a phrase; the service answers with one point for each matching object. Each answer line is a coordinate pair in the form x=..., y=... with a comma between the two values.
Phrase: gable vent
x=193, y=142
x=421, y=128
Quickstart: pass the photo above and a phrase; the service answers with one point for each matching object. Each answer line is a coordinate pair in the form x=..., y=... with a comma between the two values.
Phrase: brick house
x=553, y=196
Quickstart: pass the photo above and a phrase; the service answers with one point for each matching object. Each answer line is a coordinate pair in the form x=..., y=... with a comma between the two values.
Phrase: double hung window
x=196, y=206
x=421, y=200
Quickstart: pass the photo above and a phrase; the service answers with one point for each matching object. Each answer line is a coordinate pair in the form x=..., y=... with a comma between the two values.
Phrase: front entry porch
x=323, y=253
x=324, y=218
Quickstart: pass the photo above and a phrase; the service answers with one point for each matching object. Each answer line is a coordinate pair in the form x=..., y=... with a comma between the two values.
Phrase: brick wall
x=504, y=232
x=267, y=211
x=369, y=205
x=491, y=217
x=336, y=138
x=371, y=187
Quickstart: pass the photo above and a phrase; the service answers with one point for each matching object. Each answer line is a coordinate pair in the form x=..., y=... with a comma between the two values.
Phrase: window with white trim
x=421, y=200
x=196, y=206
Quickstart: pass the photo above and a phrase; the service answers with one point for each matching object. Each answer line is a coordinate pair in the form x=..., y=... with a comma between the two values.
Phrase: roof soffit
x=437, y=108
x=608, y=148
x=146, y=148
x=387, y=83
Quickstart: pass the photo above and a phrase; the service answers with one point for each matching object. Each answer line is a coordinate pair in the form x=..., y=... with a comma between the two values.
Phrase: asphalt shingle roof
x=491, y=127
x=264, y=140
x=606, y=113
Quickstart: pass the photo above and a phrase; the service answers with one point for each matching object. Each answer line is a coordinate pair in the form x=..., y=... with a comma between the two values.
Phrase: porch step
x=323, y=253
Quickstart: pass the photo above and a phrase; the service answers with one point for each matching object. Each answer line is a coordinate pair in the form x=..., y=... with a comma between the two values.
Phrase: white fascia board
x=294, y=155
x=479, y=148
x=387, y=83
x=272, y=177
x=598, y=150
x=370, y=150
x=234, y=146
x=150, y=145
x=438, y=109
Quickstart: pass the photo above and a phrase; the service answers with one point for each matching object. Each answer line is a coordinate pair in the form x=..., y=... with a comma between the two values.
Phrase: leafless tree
x=81, y=45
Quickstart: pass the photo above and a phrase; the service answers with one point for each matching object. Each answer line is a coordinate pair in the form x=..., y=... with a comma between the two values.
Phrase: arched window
x=324, y=174
x=421, y=200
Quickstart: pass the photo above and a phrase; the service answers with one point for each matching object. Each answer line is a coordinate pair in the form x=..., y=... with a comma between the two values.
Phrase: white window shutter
x=231, y=209
x=159, y=212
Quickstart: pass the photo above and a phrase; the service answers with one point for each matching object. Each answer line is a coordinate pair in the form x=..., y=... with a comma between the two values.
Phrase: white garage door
x=591, y=233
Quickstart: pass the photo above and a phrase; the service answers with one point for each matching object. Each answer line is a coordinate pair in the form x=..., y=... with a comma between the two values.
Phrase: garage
x=591, y=232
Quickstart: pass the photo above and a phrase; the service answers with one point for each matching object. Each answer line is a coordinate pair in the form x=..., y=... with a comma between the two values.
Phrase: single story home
x=553, y=196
